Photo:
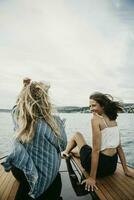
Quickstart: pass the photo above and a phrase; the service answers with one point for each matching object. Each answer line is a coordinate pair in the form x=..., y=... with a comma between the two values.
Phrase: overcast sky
x=77, y=46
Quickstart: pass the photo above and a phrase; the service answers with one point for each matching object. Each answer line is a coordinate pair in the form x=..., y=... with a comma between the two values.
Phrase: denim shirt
x=40, y=159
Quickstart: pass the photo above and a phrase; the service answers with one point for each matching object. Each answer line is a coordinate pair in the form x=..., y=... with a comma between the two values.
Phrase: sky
x=78, y=47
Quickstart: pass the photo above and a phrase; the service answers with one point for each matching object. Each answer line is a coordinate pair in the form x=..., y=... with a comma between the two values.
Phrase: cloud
x=79, y=47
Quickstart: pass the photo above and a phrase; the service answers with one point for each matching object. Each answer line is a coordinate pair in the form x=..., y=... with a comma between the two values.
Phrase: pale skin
x=78, y=140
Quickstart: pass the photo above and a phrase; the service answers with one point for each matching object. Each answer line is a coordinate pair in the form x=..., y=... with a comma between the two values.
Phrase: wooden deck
x=8, y=185
x=115, y=187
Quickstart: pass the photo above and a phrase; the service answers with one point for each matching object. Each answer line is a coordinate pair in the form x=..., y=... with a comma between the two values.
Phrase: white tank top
x=110, y=137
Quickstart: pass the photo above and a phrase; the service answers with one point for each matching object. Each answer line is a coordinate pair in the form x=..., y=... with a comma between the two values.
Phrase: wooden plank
x=8, y=185
x=2, y=183
x=128, y=183
x=1, y=170
x=102, y=190
x=100, y=193
x=109, y=189
x=13, y=190
x=125, y=186
x=117, y=186
x=7, y=189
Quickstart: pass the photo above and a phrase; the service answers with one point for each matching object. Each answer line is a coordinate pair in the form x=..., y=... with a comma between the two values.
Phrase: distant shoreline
x=5, y=110
x=128, y=108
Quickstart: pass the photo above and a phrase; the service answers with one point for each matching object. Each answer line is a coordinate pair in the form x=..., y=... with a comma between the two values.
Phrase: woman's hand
x=90, y=184
x=129, y=173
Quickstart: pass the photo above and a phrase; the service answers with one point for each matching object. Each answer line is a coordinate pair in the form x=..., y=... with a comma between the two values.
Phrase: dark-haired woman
x=101, y=159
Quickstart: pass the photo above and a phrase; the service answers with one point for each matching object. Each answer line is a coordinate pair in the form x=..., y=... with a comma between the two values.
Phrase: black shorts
x=106, y=165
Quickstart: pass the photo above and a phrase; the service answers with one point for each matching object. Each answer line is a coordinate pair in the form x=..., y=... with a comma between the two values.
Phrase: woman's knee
x=78, y=135
x=79, y=139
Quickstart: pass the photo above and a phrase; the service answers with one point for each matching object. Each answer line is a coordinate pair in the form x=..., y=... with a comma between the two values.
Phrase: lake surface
x=75, y=122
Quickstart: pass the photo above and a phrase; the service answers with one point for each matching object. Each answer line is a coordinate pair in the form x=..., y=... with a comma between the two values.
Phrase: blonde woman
x=40, y=137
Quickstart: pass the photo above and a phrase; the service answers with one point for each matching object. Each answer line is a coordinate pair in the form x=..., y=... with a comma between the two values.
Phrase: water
x=75, y=122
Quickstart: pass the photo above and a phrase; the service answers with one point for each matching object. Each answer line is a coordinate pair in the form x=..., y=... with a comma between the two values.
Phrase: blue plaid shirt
x=39, y=160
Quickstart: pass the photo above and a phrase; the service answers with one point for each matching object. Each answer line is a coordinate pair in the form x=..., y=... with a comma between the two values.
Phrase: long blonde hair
x=33, y=103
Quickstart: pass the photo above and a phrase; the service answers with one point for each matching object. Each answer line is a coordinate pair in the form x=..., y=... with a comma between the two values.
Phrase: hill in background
x=128, y=108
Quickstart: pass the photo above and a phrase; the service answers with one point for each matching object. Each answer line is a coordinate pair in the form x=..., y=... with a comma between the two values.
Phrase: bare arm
x=90, y=182
x=123, y=161
x=96, y=142
x=122, y=158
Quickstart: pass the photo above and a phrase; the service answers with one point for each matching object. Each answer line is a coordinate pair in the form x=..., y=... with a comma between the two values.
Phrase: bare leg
x=77, y=140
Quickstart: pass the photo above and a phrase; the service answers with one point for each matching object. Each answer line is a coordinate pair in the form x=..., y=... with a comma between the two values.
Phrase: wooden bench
x=115, y=187
x=8, y=185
